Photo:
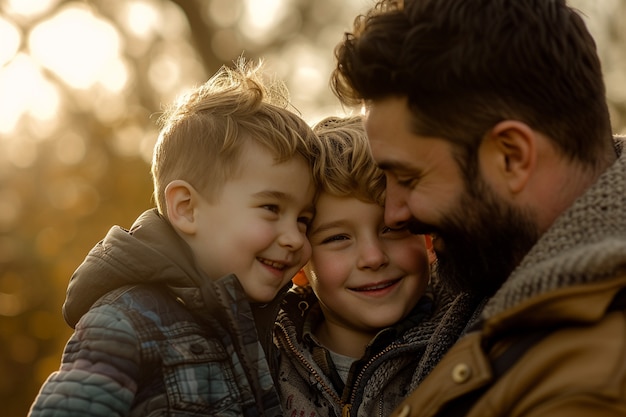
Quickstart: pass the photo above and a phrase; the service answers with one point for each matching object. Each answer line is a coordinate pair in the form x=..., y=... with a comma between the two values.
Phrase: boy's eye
x=271, y=207
x=305, y=220
x=335, y=238
x=387, y=229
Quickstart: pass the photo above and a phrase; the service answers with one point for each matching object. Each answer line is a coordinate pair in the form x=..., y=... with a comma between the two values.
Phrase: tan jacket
x=578, y=369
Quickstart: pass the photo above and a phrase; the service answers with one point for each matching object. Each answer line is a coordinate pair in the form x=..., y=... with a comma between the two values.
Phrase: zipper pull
x=303, y=306
x=345, y=412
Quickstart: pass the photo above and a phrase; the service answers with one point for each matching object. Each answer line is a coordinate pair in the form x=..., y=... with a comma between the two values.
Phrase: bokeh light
x=142, y=19
x=261, y=17
x=76, y=45
x=25, y=91
x=30, y=8
x=11, y=39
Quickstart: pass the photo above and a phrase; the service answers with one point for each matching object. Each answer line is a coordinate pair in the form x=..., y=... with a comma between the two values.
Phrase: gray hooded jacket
x=154, y=336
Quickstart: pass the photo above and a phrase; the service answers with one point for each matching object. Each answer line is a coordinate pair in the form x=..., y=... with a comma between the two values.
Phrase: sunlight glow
x=25, y=90
x=142, y=18
x=261, y=16
x=164, y=72
x=11, y=39
x=310, y=75
x=30, y=7
x=172, y=69
x=76, y=45
x=114, y=76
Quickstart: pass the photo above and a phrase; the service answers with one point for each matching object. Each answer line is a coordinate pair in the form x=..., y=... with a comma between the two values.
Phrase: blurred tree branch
x=201, y=33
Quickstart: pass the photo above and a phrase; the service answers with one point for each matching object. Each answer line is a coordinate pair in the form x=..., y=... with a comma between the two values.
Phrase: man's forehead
x=385, y=116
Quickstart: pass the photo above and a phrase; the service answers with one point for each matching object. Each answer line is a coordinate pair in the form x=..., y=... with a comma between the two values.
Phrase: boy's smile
x=366, y=275
x=378, y=288
x=256, y=228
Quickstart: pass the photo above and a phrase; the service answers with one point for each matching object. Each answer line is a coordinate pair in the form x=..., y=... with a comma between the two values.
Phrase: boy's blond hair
x=349, y=169
x=204, y=132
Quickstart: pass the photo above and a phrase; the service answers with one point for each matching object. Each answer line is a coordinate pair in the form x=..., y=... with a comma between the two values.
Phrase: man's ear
x=508, y=155
x=181, y=200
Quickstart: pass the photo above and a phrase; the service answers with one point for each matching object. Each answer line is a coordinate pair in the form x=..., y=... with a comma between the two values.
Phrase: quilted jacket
x=154, y=337
x=565, y=303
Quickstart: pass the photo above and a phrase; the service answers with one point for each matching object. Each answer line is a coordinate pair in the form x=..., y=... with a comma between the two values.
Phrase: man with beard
x=490, y=120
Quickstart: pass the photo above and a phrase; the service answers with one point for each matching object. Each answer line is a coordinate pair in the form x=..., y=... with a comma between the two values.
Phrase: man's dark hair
x=466, y=65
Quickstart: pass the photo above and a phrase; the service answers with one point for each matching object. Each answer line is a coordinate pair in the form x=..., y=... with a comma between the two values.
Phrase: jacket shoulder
x=574, y=367
x=152, y=299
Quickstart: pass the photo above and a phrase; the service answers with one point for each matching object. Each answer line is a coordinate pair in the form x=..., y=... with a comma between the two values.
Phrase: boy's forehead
x=280, y=149
x=257, y=165
x=332, y=208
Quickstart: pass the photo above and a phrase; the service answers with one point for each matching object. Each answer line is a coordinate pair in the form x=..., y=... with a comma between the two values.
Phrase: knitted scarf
x=587, y=243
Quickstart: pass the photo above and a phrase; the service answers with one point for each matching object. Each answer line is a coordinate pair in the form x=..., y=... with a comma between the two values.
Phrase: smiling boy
x=164, y=313
x=350, y=343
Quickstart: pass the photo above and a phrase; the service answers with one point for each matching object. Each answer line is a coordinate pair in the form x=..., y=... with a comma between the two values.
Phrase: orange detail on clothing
x=300, y=279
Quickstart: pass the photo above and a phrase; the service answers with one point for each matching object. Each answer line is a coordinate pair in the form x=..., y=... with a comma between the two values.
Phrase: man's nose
x=397, y=213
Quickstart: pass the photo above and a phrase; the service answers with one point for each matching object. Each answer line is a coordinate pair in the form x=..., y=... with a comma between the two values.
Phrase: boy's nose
x=372, y=255
x=291, y=237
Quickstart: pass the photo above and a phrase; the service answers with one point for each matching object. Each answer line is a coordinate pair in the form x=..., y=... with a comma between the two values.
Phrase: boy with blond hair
x=350, y=343
x=164, y=313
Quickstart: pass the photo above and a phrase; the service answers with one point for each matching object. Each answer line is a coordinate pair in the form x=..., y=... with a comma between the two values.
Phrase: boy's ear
x=508, y=155
x=181, y=200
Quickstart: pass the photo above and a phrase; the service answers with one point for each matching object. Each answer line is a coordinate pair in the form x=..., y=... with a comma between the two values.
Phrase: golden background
x=81, y=86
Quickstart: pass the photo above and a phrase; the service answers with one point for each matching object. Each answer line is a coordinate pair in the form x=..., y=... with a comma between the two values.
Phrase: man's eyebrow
x=396, y=166
x=386, y=166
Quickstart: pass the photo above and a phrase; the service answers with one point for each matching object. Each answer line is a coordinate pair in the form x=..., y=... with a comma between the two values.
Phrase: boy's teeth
x=375, y=287
x=277, y=265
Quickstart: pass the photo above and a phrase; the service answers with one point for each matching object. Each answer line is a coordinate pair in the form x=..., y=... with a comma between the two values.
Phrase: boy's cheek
x=412, y=252
x=307, y=251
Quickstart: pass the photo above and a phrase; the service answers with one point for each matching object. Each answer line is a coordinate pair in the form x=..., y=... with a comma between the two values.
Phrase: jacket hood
x=585, y=245
x=150, y=252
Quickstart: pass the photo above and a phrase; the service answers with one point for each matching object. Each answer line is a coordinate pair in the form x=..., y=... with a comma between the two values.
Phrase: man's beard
x=483, y=239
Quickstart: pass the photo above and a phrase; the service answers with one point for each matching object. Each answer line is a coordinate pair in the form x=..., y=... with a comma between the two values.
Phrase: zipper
x=346, y=409
x=312, y=370
x=373, y=359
